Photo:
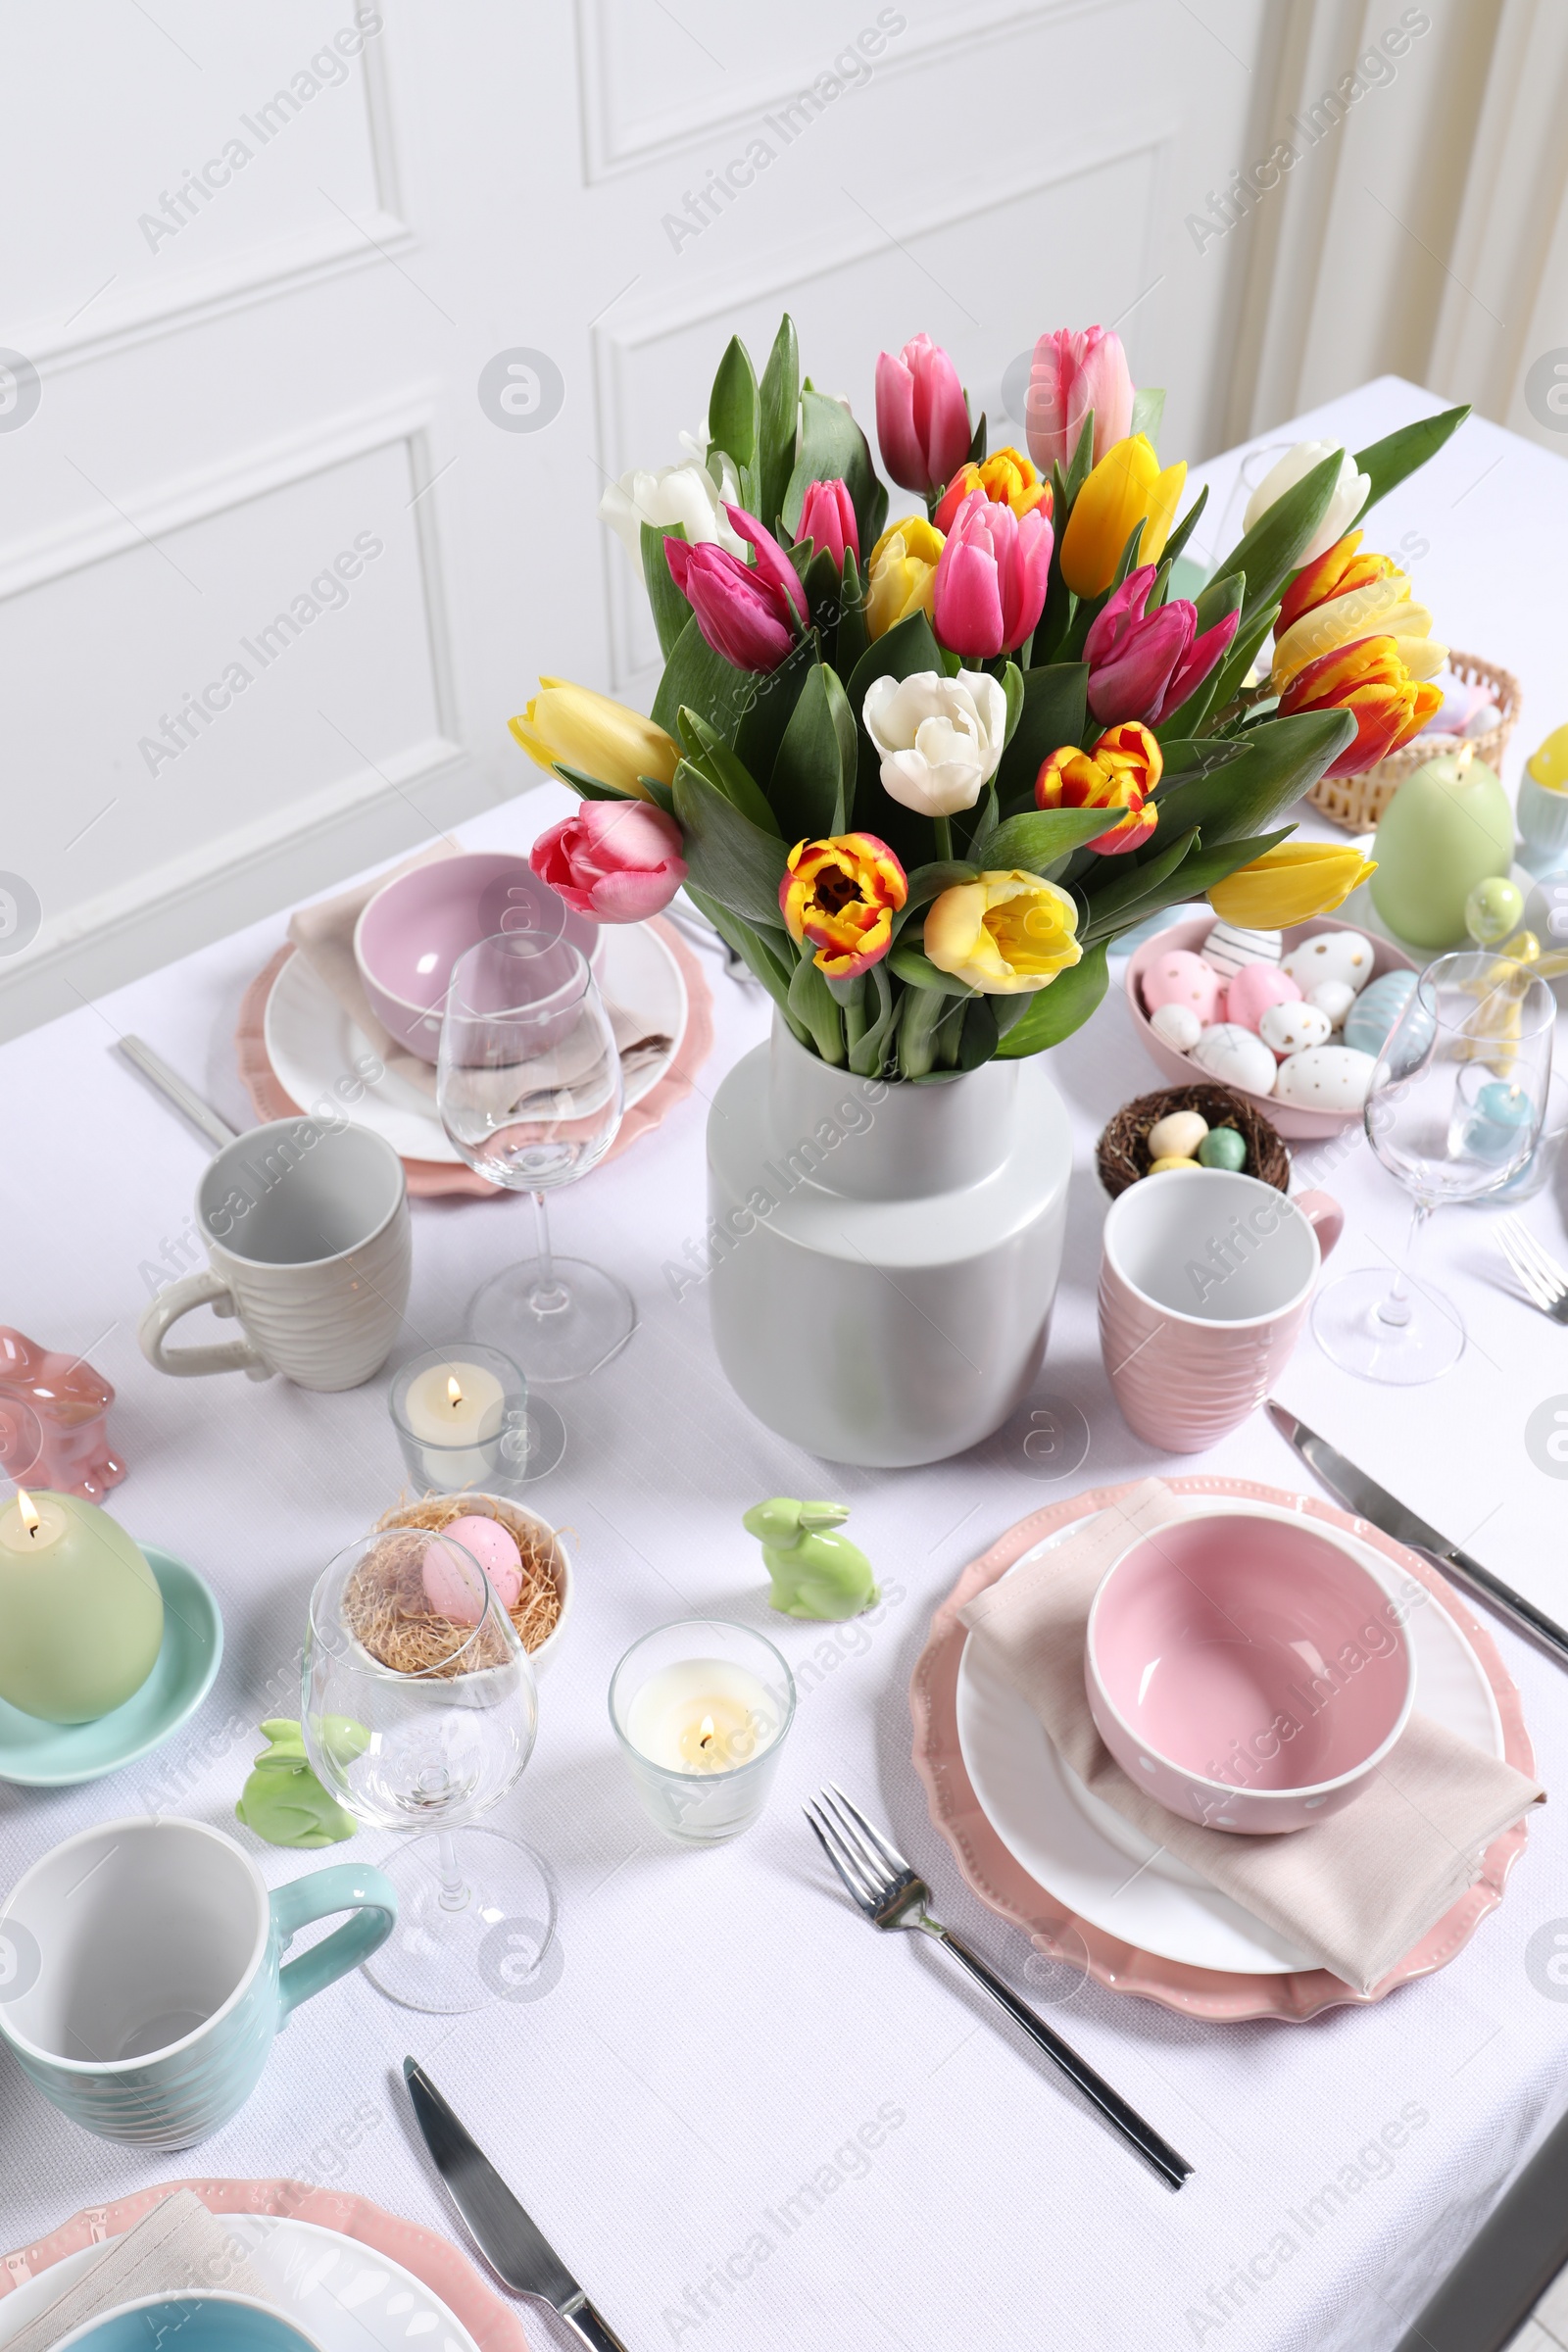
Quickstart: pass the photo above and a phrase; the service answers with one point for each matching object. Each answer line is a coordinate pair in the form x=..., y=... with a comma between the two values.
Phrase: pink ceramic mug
x=1203, y=1285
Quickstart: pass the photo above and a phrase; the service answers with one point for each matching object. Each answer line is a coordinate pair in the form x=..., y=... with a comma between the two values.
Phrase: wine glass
x=420, y=1711
x=528, y=1086
x=1453, y=1111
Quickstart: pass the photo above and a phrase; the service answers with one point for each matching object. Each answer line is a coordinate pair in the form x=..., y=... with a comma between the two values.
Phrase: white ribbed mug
x=307, y=1225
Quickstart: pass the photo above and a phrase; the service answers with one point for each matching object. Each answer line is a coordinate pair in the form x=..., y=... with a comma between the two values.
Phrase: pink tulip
x=617, y=861
x=1071, y=374
x=827, y=517
x=1143, y=666
x=747, y=611
x=922, y=418
x=991, y=578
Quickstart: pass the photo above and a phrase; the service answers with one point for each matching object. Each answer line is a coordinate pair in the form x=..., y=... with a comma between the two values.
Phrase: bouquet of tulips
x=921, y=774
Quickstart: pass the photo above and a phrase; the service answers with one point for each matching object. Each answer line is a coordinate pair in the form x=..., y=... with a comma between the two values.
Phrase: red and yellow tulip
x=1368, y=678
x=1008, y=480
x=840, y=895
x=1348, y=596
x=1120, y=772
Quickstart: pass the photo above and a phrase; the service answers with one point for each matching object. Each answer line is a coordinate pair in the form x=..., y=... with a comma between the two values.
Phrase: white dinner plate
x=312, y=1044
x=1080, y=1851
x=347, y=2295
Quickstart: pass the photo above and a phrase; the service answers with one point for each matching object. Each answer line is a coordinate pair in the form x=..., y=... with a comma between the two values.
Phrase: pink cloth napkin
x=1357, y=1890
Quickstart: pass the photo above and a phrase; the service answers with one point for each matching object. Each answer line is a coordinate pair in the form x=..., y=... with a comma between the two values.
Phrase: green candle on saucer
x=81, y=1617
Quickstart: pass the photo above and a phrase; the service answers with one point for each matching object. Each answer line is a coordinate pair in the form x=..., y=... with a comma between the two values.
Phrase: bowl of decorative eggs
x=1291, y=1018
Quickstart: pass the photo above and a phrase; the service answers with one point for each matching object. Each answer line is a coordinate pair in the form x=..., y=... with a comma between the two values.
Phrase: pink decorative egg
x=1182, y=978
x=1255, y=987
x=445, y=1575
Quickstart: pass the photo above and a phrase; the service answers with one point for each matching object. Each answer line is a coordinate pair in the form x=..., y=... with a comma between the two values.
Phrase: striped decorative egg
x=1372, y=1016
x=1228, y=948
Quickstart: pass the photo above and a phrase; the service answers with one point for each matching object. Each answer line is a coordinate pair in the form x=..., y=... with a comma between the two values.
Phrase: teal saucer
x=51, y=1755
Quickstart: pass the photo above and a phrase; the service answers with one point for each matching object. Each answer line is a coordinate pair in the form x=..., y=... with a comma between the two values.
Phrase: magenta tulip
x=922, y=418
x=749, y=612
x=1071, y=374
x=991, y=578
x=827, y=519
x=1143, y=666
x=617, y=861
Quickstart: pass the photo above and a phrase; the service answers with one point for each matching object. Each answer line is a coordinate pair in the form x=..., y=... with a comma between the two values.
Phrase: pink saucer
x=1007, y=1887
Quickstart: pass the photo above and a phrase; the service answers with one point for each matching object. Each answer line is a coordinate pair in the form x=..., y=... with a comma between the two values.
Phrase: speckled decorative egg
x=1177, y=1135
x=446, y=1576
x=1376, y=1009
x=1289, y=1028
x=1237, y=1057
x=1222, y=1148
x=1177, y=1026
x=1326, y=1078
x=1230, y=948
x=1182, y=978
x=1255, y=987
x=1331, y=956
x=1333, y=997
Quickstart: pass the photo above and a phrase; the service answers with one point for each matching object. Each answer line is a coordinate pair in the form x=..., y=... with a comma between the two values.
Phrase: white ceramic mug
x=1203, y=1288
x=307, y=1225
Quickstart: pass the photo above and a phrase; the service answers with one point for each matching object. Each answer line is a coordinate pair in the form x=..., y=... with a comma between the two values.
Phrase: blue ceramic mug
x=141, y=1975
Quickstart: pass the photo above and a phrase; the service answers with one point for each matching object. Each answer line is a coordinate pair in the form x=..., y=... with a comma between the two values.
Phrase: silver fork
x=1538, y=1271
x=882, y=1885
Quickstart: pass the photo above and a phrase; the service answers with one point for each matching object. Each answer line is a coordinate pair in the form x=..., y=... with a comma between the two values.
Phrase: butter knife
x=1362, y=1494
x=510, y=2239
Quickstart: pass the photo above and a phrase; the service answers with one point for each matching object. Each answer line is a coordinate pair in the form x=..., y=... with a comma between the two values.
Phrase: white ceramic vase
x=883, y=1256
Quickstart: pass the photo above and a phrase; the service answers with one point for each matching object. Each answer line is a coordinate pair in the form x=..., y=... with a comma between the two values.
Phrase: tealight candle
x=81, y=1617
x=461, y=1416
x=702, y=1709
x=1499, y=1121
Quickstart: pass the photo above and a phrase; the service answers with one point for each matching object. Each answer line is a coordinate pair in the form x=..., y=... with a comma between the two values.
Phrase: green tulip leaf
x=701, y=680
x=670, y=610
x=724, y=769
x=811, y=1001
x=852, y=636
x=1179, y=537
x=813, y=775
x=1279, y=761
x=833, y=448
x=919, y=972
x=752, y=947
x=1388, y=462
x=733, y=420
x=928, y=882
x=1054, y=712
x=1137, y=882
x=589, y=788
x=1012, y=688
x=1058, y=1010
x=1272, y=550
x=868, y=1050
x=779, y=417
x=1037, y=839
x=767, y=715
x=732, y=860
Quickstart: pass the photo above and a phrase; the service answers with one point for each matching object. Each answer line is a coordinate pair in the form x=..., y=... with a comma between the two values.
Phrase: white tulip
x=684, y=494
x=940, y=738
x=1349, y=493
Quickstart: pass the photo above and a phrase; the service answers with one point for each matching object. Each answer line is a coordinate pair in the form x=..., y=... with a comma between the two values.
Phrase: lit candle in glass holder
x=462, y=1418
x=702, y=1709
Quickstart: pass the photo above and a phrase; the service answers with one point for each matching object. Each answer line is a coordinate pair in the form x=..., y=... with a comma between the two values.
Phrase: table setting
x=985, y=1058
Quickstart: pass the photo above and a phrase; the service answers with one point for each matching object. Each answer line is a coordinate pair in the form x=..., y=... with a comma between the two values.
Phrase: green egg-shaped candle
x=81, y=1617
x=1446, y=828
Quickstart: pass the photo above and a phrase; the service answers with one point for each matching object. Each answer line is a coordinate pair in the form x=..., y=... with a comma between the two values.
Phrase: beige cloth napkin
x=1357, y=1890
x=177, y=2246
x=325, y=935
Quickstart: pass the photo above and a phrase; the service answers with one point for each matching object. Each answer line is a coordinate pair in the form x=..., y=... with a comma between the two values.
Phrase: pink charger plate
x=1005, y=1886
x=427, y=1178
x=492, y=2323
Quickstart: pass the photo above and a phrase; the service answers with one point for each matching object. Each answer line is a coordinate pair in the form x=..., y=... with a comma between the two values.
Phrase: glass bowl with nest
x=420, y=1710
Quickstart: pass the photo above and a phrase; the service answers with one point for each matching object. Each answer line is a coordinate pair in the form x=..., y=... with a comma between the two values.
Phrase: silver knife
x=511, y=2241
x=1362, y=1494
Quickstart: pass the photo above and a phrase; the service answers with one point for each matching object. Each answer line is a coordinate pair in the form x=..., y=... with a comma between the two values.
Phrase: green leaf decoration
x=733, y=412
x=1054, y=712
x=779, y=410
x=1034, y=841
x=1388, y=460
x=724, y=769
x=811, y=1001
x=768, y=713
x=1272, y=549
x=670, y=610
x=1058, y=1010
x=810, y=788
x=699, y=679
x=833, y=448
x=920, y=972
x=731, y=860
x=1280, y=760
x=1148, y=411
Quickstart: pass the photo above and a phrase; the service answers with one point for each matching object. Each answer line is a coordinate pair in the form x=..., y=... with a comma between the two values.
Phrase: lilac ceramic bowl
x=411, y=933
x=1247, y=1669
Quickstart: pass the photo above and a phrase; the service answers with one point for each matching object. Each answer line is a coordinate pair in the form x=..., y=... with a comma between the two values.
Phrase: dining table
x=745, y=2122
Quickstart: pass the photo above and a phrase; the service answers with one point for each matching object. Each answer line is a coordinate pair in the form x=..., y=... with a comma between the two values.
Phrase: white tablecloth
x=686, y=2106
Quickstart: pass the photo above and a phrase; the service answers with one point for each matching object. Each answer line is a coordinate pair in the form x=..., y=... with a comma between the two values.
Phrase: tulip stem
x=942, y=826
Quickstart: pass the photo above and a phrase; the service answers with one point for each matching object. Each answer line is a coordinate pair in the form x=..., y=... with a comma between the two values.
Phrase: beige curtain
x=1408, y=210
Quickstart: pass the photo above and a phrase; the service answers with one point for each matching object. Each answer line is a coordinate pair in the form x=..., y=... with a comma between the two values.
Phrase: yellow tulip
x=1290, y=885
x=1003, y=933
x=601, y=738
x=902, y=572
x=1381, y=608
x=1125, y=488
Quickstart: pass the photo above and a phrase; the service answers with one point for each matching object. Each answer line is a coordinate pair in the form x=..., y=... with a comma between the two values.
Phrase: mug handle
x=180, y=1297
x=1324, y=1216
x=344, y=1887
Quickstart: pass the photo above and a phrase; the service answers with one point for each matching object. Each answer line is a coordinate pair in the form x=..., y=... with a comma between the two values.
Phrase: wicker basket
x=1121, y=1156
x=1357, y=803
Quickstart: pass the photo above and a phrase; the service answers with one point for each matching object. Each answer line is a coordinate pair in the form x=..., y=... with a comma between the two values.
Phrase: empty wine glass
x=420, y=1712
x=1453, y=1111
x=529, y=1090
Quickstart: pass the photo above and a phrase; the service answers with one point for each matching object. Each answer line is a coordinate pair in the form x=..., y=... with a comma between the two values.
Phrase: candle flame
x=453, y=1391
x=28, y=1510
x=705, y=1737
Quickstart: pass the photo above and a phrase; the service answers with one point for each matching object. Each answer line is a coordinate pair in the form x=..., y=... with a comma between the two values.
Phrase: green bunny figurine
x=283, y=1801
x=815, y=1574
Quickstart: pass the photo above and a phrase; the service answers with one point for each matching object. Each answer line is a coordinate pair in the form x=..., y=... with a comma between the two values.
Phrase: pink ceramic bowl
x=1247, y=1669
x=411, y=933
x=1290, y=1118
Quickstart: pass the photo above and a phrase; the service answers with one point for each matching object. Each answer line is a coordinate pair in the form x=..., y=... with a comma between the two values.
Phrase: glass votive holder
x=702, y=1709
x=463, y=1419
